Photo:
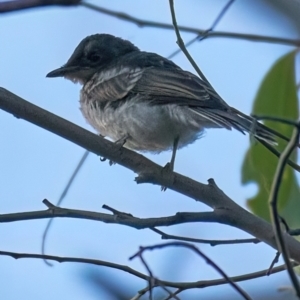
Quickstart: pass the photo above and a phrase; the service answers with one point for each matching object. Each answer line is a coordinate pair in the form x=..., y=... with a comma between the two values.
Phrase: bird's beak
x=74, y=73
x=63, y=71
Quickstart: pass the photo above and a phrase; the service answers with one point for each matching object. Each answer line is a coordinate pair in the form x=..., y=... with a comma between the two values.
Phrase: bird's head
x=92, y=53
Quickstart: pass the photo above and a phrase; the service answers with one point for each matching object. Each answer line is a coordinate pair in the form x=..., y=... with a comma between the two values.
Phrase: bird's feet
x=167, y=171
x=119, y=143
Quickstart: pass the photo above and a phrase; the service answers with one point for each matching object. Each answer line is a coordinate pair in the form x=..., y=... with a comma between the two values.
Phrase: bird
x=146, y=102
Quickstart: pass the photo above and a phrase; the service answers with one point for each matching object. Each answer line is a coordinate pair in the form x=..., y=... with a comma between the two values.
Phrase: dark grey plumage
x=146, y=100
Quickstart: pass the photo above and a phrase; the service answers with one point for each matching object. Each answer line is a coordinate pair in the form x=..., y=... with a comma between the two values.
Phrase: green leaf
x=277, y=96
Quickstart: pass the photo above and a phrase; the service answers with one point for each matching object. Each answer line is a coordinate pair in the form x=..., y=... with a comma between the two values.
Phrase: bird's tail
x=233, y=118
x=265, y=135
x=259, y=130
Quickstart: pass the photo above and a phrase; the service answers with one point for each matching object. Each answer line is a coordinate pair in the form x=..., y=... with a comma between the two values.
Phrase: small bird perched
x=146, y=102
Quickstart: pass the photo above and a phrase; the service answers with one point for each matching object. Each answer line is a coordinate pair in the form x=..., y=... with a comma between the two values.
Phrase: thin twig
x=294, y=231
x=274, y=261
x=48, y=204
x=174, y=293
x=273, y=200
x=171, y=294
x=118, y=217
x=275, y=119
x=182, y=47
x=11, y=6
x=153, y=281
x=166, y=236
x=221, y=14
x=179, y=285
x=278, y=154
x=116, y=212
x=187, y=44
x=205, y=34
x=201, y=254
x=62, y=196
x=199, y=32
x=284, y=223
x=140, y=293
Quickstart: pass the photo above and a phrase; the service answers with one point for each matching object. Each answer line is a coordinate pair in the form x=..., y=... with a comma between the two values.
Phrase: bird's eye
x=94, y=57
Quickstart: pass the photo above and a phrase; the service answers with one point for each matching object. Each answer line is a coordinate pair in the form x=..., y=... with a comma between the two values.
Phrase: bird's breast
x=146, y=127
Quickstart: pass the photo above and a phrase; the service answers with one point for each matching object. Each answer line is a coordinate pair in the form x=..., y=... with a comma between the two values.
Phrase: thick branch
x=227, y=210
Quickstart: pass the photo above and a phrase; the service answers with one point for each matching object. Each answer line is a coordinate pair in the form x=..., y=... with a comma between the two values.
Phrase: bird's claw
x=167, y=170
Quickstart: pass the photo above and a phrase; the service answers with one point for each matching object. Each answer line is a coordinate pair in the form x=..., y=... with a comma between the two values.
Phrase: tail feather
x=214, y=117
x=240, y=122
x=259, y=130
x=266, y=136
x=233, y=118
x=273, y=133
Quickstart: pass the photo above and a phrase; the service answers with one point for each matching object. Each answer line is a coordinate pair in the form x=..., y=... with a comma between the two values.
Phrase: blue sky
x=35, y=164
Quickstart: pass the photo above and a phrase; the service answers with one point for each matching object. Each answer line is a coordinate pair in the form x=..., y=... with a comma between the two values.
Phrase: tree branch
x=213, y=243
x=199, y=32
x=129, y=220
x=273, y=200
x=117, y=218
x=197, y=251
x=62, y=196
x=166, y=236
x=12, y=6
x=182, y=46
x=228, y=212
x=180, y=285
x=15, y=5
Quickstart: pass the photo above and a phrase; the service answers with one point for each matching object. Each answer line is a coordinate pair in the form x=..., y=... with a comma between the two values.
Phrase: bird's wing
x=158, y=85
x=112, y=84
x=175, y=86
